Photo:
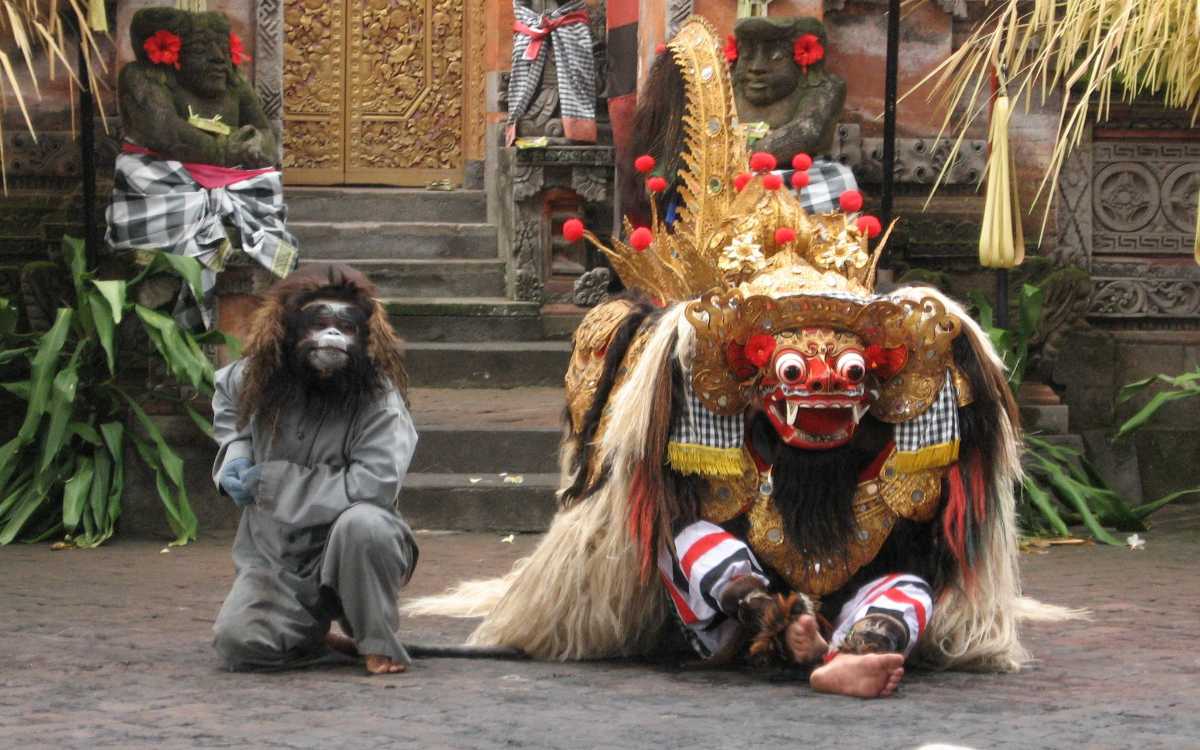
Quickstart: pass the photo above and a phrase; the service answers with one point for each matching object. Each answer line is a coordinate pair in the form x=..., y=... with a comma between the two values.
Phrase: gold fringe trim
x=689, y=458
x=929, y=457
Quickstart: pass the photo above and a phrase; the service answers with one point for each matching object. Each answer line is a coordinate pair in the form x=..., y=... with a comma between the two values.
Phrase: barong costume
x=757, y=351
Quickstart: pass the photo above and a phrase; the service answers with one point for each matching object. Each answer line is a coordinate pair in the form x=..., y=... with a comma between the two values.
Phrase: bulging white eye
x=852, y=366
x=790, y=368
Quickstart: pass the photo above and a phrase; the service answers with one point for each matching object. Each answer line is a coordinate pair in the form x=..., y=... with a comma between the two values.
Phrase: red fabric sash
x=208, y=176
x=538, y=35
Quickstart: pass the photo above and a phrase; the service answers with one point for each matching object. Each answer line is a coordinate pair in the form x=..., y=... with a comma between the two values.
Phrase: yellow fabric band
x=929, y=457
x=689, y=458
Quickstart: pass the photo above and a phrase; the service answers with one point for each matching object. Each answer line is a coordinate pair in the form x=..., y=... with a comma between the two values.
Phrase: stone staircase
x=486, y=370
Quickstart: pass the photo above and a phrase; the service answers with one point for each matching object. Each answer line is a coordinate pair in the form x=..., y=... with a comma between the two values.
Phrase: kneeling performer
x=315, y=439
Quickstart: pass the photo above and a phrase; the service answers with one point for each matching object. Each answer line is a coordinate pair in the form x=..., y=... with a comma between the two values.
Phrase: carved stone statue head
x=205, y=64
x=184, y=97
x=779, y=79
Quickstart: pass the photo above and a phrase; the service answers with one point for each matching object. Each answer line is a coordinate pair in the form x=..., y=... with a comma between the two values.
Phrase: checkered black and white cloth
x=572, y=47
x=827, y=180
x=158, y=205
x=937, y=425
x=696, y=425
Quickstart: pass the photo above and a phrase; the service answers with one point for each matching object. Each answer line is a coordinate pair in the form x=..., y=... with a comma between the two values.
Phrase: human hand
x=233, y=481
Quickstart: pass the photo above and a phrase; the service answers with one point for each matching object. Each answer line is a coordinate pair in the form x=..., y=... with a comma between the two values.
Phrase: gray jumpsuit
x=323, y=539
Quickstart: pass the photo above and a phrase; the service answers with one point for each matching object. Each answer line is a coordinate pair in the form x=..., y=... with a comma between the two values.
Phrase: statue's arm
x=250, y=112
x=150, y=120
x=811, y=129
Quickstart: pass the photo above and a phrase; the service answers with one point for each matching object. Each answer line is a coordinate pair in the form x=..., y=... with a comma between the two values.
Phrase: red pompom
x=801, y=162
x=641, y=239
x=656, y=184
x=869, y=226
x=731, y=50
x=772, y=181
x=759, y=349
x=800, y=180
x=851, y=201
x=784, y=235
x=739, y=182
x=660, y=48
x=761, y=161
x=572, y=230
x=644, y=163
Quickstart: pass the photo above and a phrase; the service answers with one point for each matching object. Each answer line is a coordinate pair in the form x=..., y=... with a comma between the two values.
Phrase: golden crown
x=750, y=259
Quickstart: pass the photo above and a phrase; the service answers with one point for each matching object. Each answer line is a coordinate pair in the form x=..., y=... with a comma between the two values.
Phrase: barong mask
x=782, y=302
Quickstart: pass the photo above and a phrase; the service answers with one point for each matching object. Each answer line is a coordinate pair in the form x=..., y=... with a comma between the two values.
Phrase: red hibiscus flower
x=807, y=50
x=759, y=349
x=886, y=363
x=163, y=48
x=237, y=52
x=731, y=51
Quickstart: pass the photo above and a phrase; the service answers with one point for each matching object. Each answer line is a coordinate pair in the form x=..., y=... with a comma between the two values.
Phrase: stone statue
x=779, y=79
x=552, y=85
x=184, y=98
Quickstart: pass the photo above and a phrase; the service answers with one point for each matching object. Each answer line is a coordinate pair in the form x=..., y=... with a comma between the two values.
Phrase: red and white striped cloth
x=696, y=570
x=705, y=558
x=901, y=595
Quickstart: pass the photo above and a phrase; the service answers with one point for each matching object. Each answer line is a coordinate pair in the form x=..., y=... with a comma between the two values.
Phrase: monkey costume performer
x=315, y=439
x=792, y=468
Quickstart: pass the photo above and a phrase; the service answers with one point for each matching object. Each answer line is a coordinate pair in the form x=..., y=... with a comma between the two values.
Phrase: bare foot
x=859, y=675
x=805, y=641
x=377, y=664
x=341, y=643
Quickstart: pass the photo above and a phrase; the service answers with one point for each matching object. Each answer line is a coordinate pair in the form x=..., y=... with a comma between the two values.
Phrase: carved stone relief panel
x=918, y=160
x=1144, y=197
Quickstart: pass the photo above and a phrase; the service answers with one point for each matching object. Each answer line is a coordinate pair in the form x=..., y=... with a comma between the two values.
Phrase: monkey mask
x=321, y=333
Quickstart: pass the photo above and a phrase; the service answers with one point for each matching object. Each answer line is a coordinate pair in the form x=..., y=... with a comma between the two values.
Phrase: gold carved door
x=381, y=91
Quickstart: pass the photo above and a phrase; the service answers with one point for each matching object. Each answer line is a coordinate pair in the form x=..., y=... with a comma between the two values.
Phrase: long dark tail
x=432, y=651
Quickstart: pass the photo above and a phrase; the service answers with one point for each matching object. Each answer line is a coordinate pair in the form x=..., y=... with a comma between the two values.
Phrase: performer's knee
x=241, y=645
x=364, y=525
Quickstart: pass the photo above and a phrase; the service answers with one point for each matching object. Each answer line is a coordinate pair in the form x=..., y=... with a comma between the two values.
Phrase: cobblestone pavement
x=110, y=649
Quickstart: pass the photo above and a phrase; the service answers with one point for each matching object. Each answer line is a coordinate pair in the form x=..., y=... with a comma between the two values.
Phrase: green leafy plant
x=1182, y=386
x=64, y=471
x=1014, y=345
x=1061, y=487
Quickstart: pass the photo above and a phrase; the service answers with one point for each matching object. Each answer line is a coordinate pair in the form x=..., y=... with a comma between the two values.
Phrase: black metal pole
x=889, y=112
x=87, y=154
x=1002, y=298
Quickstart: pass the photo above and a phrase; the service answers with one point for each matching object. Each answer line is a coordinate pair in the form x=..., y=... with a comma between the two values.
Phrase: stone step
x=333, y=205
x=391, y=240
x=474, y=319
x=443, y=277
x=487, y=451
x=487, y=364
x=493, y=503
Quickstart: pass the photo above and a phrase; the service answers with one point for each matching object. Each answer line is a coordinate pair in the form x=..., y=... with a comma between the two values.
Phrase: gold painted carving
x=877, y=504
x=313, y=85
x=592, y=338
x=378, y=90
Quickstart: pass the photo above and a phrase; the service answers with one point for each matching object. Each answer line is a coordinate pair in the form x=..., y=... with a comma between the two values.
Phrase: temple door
x=381, y=91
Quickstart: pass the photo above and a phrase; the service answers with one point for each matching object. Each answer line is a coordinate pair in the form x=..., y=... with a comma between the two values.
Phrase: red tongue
x=822, y=421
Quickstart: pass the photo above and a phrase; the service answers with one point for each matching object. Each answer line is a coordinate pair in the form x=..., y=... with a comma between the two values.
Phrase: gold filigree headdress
x=749, y=259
